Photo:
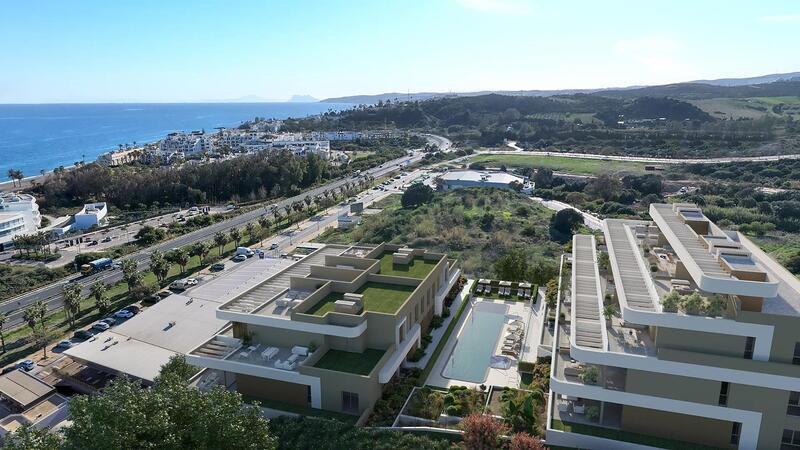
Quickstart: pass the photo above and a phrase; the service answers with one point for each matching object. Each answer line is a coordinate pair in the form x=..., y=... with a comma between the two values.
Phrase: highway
x=51, y=294
x=641, y=159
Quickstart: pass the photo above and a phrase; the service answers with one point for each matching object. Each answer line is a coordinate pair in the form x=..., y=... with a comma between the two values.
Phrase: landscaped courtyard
x=378, y=297
x=351, y=362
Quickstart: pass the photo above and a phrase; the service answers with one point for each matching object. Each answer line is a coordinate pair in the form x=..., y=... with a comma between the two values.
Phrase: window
x=749, y=345
x=736, y=431
x=790, y=440
x=723, y=394
x=794, y=404
x=796, y=357
x=349, y=401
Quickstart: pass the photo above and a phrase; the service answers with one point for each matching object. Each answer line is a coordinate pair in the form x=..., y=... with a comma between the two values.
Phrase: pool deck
x=495, y=377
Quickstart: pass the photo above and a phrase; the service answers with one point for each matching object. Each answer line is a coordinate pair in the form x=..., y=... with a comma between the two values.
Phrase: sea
x=41, y=137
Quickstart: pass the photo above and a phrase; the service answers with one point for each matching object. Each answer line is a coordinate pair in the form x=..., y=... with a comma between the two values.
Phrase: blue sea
x=42, y=137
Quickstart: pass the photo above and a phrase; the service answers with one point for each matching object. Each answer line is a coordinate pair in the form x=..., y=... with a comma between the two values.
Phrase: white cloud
x=497, y=6
x=786, y=18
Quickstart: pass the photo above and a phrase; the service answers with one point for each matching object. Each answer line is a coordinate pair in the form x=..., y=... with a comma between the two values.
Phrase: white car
x=123, y=314
x=101, y=326
x=191, y=281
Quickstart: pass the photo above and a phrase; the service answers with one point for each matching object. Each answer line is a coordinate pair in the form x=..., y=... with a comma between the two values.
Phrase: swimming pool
x=476, y=343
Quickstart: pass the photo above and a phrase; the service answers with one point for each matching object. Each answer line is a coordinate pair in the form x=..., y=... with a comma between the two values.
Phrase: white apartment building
x=187, y=143
x=19, y=214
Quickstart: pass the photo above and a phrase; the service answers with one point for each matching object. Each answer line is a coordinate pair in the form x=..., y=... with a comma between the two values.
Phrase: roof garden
x=419, y=267
x=378, y=297
x=350, y=362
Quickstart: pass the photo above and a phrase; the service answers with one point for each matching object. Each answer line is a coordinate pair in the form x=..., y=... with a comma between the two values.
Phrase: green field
x=749, y=108
x=559, y=163
x=583, y=117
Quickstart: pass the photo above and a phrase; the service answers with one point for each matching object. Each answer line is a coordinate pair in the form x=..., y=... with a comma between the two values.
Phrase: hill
x=700, y=91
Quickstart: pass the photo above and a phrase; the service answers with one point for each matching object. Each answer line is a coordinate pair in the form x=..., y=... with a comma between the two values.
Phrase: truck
x=96, y=266
x=245, y=251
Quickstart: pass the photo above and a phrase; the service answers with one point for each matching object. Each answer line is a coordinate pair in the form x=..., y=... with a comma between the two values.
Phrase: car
x=94, y=242
x=273, y=246
x=123, y=314
x=163, y=294
x=216, y=267
x=82, y=335
x=192, y=281
x=26, y=365
x=66, y=343
x=133, y=309
x=106, y=239
x=110, y=321
x=116, y=265
x=259, y=252
x=101, y=326
x=239, y=258
x=8, y=369
x=178, y=285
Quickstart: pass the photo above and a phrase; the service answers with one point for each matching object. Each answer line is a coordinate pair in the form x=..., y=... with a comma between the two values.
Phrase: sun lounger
x=269, y=353
x=528, y=293
x=521, y=293
x=510, y=352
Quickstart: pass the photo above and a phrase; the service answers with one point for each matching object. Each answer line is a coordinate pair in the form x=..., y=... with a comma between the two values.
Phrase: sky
x=86, y=51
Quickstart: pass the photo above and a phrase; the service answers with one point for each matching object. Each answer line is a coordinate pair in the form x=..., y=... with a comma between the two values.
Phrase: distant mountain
x=722, y=87
x=303, y=99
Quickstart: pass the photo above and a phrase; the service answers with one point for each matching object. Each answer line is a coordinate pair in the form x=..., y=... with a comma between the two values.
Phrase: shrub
x=653, y=268
x=717, y=305
x=671, y=301
x=526, y=366
x=445, y=313
x=416, y=355
x=693, y=303
x=482, y=432
x=524, y=441
x=593, y=413
x=436, y=322
x=590, y=375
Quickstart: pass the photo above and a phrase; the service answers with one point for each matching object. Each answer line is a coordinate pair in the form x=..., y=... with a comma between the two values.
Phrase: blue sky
x=164, y=51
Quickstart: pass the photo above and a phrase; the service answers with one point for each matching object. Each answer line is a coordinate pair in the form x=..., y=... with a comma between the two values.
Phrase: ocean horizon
x=36, y=137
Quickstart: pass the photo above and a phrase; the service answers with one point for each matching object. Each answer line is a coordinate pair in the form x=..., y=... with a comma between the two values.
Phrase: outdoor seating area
x=271, y=356
x=504, y=289
x=514, y=338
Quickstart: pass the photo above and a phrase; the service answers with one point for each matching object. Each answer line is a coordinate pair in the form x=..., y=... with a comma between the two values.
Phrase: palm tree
x=181, y=257
x=29, y=316
x=98, y=291
x=236, y=236
x=12, y=175
x=250, y=228
x=130, y=273
x=3, y=320
x=159, y=265
x=200, y=249
x=72, y=301
x=220, y=239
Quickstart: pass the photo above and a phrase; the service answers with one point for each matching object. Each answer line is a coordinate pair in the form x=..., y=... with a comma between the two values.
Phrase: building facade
x=456, y=179
x=329, y=331
x=704, y=351
x=19, y=214
x=92, y=215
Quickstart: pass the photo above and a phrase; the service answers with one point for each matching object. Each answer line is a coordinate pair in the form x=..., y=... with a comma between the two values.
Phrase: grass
x=301, y=410
x=378, y=297
x=350, y=362
x=748, y=108
x=419, y=267
x=442, y=342
x=625, y=436
x=560, y=163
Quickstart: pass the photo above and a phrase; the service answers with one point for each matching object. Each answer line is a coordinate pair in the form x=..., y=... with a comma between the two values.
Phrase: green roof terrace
x=378, y=297
x=419, y=267
x=350, y=362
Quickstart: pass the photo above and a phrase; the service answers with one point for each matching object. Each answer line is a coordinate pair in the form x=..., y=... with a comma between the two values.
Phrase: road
x=589, y=220
x=640, y=158
x=51, y=294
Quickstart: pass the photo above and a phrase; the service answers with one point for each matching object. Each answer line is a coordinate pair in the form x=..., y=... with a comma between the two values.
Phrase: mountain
x=766, y=85
x=303, y=99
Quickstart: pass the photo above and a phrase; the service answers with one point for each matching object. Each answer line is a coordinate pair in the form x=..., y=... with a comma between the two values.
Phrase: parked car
x=132, y=308
x=26, y=365
x=9, y=369
x=216, y=267
x=106, y=239
x=101, y=326
x=163, y=294
x=192, y=281
x=82, y=335
x=116, y=265
x=66, y=343
x=110, y=321
x=152, y=299
x=239, y=258
x=273, y=246
x=123, y=314
x=178, y=285
x=94, y=242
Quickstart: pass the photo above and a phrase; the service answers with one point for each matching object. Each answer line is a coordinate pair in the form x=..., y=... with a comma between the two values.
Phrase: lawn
x=350, y=362
x=378, y=297
x=625, y=436
x=559, y=163
x=419, y=267
x=302, y=410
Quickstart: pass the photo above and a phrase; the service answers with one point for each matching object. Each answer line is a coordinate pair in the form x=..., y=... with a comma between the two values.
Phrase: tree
x=29, y=437
x=513, y=266
x=167, y=415
x=72, y=301
x=148, y=235
x=3, y=320
x=130, y=273
x=178, y=367
x=200, y=249
x=220, y=239
x=482, y=432
x=605, y=186
x=98, y=291
x=159, y=265
x=264, y=224
x=29, y=316
x=236, y=236
x=520, y=409
x=543, y=178
x=524, y=441
x=417, y=194
x=180, y=257
x=565, y=223
x=250, y=228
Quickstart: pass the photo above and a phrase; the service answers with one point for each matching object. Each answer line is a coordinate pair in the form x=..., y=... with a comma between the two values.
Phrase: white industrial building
x=19, y=214
x=472, y=178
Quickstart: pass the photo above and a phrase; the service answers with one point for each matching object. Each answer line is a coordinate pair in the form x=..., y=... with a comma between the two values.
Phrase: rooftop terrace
x=378, y=297
x=419, y=267
x=587, y=325
x=631, y=284
x=351, y=362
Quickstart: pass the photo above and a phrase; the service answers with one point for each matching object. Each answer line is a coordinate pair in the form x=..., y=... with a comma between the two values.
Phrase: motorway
x=639, y=158
x=51, y=294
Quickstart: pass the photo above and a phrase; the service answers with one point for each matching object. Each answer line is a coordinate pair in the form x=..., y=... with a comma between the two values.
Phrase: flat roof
x=480, y=176
x=23, y=388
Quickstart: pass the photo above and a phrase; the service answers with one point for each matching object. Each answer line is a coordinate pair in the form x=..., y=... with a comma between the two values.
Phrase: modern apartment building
x=19, y=214
x=329, y=330
x=703, y=351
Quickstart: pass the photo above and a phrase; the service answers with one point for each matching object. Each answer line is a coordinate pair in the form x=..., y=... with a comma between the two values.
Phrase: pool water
x=476, y=343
